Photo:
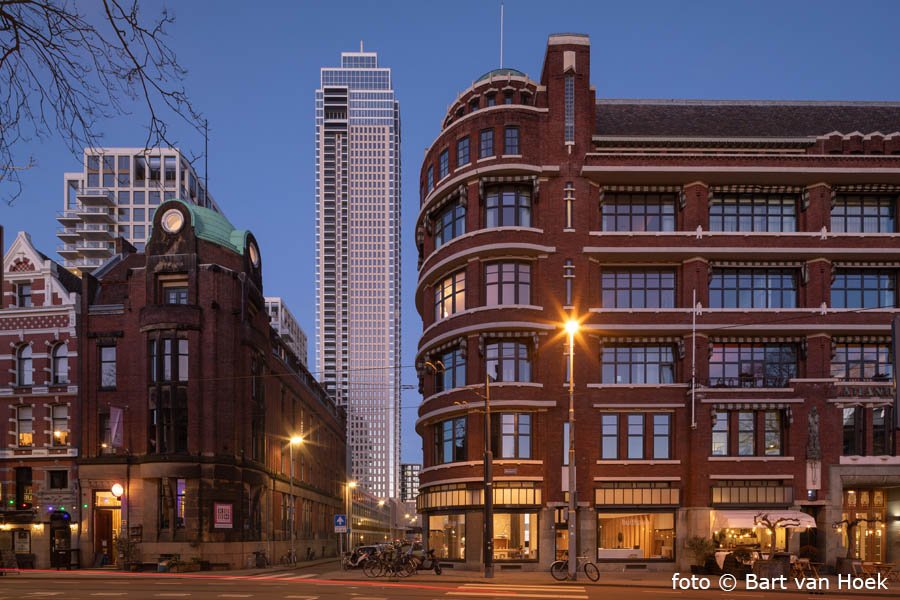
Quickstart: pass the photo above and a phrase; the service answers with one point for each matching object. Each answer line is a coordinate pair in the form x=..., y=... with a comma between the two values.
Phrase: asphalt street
x=84, y=585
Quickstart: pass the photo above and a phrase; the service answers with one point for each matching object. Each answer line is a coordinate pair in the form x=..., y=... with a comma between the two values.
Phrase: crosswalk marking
x=558, y=592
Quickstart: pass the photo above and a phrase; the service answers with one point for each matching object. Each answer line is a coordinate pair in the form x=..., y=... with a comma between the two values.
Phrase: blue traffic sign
x=340, y=523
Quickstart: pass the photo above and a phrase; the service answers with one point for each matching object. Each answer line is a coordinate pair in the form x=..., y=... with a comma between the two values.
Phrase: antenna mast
x=501, y=34
x=206, y=157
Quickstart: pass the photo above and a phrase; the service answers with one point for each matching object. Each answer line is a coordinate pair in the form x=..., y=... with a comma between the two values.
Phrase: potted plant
x=702, y=550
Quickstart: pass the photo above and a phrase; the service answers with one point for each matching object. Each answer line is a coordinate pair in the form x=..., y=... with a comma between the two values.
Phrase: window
x=569, y=278
x=773, y=433
x=508, y=206
x=24, y=366
x=176, y=294
x=444, y=164
x=508, y=361
x=854, y=432
x=753, y=288
x=515, y=536
x=24, y=427
x=752, y=365
x=170, y=177
x=450, y=223
x=512, y=435
x=140, y=170
x=462, y=152
x=60, y=364
x=154, y=162
x=429, y=173
x=180, y=490
x=93, y=162
x=511, y=141
x=882, y=431
x=486, y=143
x=107, y=367
x=454, y=372
x=662, y=436
x=447, y=535
x=720, y=434
x=638, y=212
x=169, y=359
x=635, y=436
x=450, y=441
x=861, y=361
x=24, y=487
x=507, y=283
x=565, y=440
x=864, y=288
x=637, y=288
x=473, y=105
x=491, y=99
x=23, y=295
x=645, y=535
x=450, y=295
x=124, y=163
x=569, y=101
x=609, y=436
x=637, y=364
x=746, y=433
x=569, y=197
x=507, y=97
x=753, y=212
x=863, y=214
x=59, y=480
x=59, y=415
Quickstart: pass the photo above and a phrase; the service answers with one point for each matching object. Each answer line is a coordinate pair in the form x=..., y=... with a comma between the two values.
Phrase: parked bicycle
x=560, y=568
x=289, y=558
x=356, y=558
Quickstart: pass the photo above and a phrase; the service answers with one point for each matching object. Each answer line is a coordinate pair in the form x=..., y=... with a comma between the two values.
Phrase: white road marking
x=235, y=595
x=303, y=597
x=108, y=594
x=536, y=588
x=517, y=594
x=307, y=576
x=45, y=593
x=171, y=595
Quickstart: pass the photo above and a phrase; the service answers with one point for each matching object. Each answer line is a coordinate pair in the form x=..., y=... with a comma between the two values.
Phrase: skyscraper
x=115, y=195
x=358, y=261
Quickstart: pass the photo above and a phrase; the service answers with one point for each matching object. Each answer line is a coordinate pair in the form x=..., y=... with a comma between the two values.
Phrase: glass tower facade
x=358, y=262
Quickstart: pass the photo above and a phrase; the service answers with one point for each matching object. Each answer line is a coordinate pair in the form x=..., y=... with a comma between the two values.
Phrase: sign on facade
x=340, y=523
x=223, y=517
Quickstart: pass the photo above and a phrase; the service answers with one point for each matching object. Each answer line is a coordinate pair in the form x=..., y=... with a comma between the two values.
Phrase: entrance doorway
x=107, y=523
x=864, y=518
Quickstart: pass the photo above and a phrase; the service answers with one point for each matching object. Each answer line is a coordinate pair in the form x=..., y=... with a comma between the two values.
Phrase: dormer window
x=23, y=295
x=473, y=105
x=507, y=97
x=491, y=99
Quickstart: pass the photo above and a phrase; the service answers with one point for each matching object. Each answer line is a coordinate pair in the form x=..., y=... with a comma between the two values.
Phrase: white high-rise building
x=358, y=261
x=284, y=322
x=115, y=195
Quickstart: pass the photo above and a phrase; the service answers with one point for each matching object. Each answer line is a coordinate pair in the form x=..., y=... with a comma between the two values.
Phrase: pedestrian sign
x=340, y=523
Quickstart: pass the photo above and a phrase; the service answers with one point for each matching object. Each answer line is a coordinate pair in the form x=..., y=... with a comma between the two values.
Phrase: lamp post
x=488, y=529
x=118, y=491
x=350, y=485
x=297, y=439
x=571, y=329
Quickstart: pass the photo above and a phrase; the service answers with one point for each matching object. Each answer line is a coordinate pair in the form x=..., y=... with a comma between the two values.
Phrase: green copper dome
x=214, y=227
x=502, y=73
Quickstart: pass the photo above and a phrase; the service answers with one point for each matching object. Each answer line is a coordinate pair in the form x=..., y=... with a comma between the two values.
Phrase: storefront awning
x=746, y=519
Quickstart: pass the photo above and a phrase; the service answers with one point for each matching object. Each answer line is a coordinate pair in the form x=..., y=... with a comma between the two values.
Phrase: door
x=103, y=536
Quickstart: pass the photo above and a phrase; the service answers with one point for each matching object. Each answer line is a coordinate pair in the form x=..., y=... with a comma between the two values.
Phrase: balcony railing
x=750, y=381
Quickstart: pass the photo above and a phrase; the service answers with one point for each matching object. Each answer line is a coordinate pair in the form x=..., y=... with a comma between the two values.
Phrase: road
x=85, y=585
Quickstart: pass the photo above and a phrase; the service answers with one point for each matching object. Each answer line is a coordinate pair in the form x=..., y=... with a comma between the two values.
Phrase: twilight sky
x=253, y=69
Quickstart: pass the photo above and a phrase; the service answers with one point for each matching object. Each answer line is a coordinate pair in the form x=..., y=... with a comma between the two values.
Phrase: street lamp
x=350, y=485
x=295, y=440
x=572, y=327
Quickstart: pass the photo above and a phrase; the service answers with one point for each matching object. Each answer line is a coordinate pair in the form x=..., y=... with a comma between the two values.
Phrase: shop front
x=636, y=521
x=454, y=518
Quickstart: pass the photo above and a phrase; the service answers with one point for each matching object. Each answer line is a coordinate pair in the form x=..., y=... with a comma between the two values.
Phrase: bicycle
x=560, y=568
x=289, y=558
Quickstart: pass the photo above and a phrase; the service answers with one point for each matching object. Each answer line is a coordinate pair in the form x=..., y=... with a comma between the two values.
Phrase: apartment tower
x=358, y=261
x=115, y=195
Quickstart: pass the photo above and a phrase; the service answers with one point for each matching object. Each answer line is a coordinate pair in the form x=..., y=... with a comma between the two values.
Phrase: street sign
x=340, y=523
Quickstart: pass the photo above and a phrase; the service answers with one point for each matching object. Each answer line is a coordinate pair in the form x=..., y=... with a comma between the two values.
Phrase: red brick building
x=188, y=403
x=772, y=224
x=39, y=403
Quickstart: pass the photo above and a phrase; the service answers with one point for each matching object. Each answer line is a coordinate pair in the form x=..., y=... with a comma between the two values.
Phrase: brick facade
x=189, y=399
x=641, y=503
x=38, y=402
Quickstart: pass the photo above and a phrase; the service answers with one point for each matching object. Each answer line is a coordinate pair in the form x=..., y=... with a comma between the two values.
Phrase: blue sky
x=253, y=68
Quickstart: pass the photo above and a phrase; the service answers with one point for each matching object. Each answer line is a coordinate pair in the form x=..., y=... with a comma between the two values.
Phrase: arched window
x=24, y=366
x=60, y=364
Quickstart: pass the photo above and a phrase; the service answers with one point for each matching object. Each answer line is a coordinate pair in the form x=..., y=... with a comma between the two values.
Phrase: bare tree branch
x=62, y=74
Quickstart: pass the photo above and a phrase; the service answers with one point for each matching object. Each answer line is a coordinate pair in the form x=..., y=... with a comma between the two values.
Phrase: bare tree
x=772, y=525
x=63, y=72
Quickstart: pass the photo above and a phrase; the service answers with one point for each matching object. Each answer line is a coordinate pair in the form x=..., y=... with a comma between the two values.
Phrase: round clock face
x=254, y=254
x=172, y=221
